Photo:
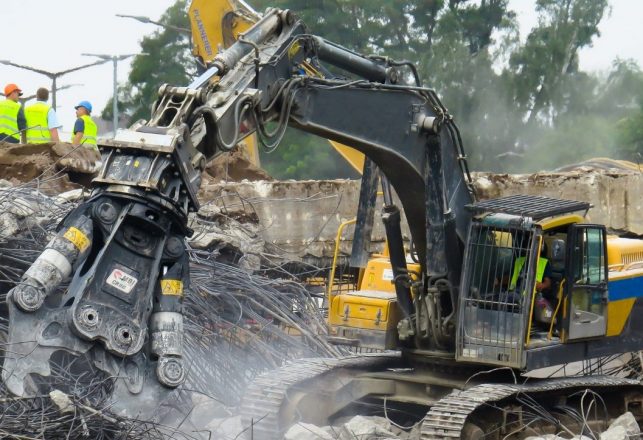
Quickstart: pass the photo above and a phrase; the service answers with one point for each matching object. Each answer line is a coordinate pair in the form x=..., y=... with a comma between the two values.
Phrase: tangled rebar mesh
x=237, y=325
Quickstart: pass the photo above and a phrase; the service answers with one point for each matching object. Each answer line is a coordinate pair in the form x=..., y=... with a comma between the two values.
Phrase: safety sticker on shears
x=172, y=287
x=78, y=238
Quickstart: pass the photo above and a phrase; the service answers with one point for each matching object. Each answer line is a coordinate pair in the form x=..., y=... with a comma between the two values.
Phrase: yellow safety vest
x=520, y=262
x=9, y=119
x=90, y=133
x=37, y=123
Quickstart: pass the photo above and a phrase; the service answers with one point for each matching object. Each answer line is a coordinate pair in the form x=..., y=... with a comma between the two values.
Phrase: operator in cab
x=543, y=273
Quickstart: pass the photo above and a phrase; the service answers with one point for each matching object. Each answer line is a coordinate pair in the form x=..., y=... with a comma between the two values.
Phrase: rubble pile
x=237, y=325
x=57, y=167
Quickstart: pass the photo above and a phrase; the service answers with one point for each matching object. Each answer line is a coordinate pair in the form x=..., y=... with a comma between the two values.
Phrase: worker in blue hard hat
x=85, y=129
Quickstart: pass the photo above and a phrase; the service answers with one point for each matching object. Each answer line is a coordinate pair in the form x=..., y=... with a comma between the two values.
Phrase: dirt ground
x=57, y=166
x=61, y=167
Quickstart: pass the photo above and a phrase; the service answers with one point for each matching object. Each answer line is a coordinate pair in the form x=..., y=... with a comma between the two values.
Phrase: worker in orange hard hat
x=12, y=116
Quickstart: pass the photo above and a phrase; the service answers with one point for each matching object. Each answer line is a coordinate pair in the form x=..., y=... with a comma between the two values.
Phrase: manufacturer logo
x=121, y=281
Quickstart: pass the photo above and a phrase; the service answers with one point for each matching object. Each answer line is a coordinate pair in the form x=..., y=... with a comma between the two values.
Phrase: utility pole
x=52, y=75
x=148, y=20
x=114, y=59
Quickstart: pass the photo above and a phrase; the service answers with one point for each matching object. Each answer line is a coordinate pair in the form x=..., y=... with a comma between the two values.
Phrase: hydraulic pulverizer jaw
x=123, y=253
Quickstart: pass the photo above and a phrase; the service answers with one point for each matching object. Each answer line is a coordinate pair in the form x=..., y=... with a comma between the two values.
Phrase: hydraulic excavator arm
x=123, y=249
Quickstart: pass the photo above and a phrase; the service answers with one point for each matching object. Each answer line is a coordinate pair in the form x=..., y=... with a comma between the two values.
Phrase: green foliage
x=521, y=104
x=301, y=156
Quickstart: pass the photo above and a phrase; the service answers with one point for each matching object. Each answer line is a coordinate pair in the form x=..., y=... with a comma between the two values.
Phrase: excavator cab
x=500, y=308
x=498, y=278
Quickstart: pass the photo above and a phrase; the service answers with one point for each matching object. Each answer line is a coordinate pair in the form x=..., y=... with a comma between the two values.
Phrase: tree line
x=522, y=104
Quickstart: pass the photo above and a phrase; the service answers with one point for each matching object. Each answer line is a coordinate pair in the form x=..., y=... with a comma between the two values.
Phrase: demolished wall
x=616, y=196
x=300, y=218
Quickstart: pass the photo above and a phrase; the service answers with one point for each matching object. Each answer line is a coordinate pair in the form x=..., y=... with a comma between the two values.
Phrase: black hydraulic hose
x=391, y=219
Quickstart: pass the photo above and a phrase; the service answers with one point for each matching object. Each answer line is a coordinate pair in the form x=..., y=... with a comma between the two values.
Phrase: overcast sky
x=51, y=35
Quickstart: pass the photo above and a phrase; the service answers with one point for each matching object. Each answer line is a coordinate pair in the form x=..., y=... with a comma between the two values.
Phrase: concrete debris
x=623, y=428
x=62, y=401
x=233, y=166
x=615, y=195
x=557, y=437
x=366, y=428
x=226, y=233
x=22, y=209
x=306, y=431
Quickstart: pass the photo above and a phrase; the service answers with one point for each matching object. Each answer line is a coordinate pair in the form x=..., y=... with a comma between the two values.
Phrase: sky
x=52, y=35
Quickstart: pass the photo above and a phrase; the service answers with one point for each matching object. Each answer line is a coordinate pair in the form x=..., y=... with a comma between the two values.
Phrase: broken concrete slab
x=615, y=195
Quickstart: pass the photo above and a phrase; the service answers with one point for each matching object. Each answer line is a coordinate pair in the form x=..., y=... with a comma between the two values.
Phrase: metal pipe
x=226, y=60
x=336, y=253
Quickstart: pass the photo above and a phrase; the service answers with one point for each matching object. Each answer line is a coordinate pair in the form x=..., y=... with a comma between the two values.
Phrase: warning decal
x=387, y=275
x=78, y=238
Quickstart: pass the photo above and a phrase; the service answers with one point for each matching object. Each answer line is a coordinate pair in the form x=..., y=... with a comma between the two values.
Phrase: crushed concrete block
x=306, y=431
x=70, y=196
x=615, y=433
x=62, y=401
x=628, y=422
x=362, y=427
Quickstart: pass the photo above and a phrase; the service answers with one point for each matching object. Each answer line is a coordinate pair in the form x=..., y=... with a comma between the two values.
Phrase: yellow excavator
x=470, y=298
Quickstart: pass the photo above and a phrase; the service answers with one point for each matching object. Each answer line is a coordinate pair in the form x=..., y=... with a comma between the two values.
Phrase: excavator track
x=263, y=401
x=269, y=405
x=447, y=418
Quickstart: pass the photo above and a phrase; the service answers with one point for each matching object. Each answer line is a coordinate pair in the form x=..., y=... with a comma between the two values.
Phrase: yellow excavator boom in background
x=215, y=25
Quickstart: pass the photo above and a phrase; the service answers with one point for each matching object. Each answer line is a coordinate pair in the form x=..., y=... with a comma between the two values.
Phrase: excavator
x=463, y=338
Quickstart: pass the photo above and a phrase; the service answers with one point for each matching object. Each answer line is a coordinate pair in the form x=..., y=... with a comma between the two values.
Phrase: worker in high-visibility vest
x=12, y=116
x=85, y=129
x=543, y=272
x=42, y=121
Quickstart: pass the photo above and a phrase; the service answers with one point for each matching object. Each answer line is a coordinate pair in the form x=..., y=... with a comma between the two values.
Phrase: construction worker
x=42, y=121
x=543, y=272
x=12, y=116
x=85, y=129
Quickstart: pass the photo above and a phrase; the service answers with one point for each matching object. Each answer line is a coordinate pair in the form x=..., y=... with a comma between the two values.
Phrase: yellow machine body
x=216, y=24
x=625, y=284
x=369, y=315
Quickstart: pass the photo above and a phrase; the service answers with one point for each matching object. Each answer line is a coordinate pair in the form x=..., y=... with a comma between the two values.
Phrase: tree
x=548, y=61
x=450, y=42
x=521, y=106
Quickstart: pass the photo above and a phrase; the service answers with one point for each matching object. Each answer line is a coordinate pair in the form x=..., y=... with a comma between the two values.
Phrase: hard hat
x=86, y=104
x=10, y=88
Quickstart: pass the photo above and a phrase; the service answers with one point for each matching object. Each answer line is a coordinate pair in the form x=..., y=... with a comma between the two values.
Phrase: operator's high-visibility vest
x=38, y=123
x=520, y=262
x=90, y=132
x=9, y=119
